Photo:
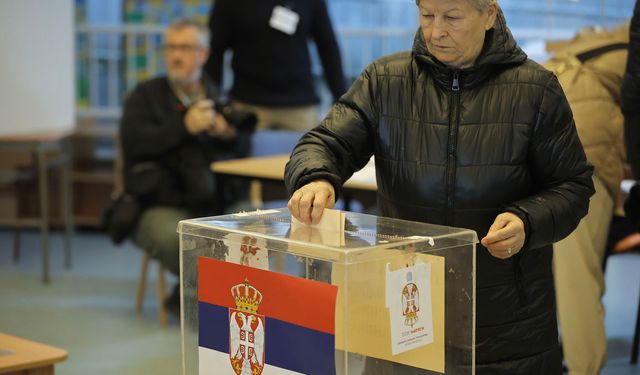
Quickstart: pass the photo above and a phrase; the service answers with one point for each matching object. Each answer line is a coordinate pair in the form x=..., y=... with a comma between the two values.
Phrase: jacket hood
x=500, y=48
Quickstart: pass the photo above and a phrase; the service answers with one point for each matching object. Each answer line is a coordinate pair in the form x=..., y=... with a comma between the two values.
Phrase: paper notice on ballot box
x=408, y=295
x=363, y=326
x=247, y=250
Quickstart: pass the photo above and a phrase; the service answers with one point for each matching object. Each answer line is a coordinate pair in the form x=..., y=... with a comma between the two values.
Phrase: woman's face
x=454, y=30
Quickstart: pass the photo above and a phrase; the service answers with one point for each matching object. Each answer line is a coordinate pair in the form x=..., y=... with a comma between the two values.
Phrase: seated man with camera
x=172, y=128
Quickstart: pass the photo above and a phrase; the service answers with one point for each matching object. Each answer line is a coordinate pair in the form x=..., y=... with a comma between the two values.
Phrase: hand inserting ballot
x=308, y=202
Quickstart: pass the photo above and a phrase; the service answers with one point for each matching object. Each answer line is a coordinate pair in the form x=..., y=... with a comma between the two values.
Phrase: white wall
x=37, y=83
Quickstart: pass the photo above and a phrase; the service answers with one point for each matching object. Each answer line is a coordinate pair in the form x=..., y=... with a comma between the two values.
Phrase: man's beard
x=185, y=79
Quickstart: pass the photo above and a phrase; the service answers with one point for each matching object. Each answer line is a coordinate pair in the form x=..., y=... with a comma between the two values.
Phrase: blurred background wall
x=36, y=66
x=118, y=40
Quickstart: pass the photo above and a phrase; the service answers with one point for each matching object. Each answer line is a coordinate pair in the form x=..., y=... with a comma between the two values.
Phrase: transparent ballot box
x=364, y=295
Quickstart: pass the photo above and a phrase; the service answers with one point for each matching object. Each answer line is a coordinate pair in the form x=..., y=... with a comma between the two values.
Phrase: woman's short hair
x=203, y=32
x=481, y=5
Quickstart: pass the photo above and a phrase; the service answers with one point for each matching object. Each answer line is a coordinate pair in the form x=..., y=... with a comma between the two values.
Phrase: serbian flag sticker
x=256, y=322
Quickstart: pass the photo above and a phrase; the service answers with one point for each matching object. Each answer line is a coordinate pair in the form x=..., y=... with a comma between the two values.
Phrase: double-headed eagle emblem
x=246, y=331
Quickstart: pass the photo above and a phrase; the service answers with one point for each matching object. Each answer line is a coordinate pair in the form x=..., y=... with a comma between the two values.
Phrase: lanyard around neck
x=186, y=99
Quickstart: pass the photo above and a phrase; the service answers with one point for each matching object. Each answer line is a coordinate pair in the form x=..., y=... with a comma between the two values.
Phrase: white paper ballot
x=408, y=298
x=284, y=19
x=329, y=231
x=247, y=251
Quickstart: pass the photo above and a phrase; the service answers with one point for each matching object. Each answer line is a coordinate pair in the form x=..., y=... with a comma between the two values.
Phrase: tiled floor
x=89, y=309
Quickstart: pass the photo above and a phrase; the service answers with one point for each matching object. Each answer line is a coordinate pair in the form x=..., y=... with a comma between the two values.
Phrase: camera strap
x=186, y=99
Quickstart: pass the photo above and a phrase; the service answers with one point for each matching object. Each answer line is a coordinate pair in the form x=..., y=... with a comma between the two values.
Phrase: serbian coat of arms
x=410, y=303
x=246, y=331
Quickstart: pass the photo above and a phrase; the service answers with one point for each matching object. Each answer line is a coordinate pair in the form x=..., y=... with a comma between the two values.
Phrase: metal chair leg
x=16, y=245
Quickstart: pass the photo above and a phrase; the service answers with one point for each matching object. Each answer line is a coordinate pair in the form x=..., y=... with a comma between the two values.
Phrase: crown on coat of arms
x=247, y=297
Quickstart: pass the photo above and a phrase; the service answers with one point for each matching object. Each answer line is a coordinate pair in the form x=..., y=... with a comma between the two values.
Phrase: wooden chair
x=160, y=289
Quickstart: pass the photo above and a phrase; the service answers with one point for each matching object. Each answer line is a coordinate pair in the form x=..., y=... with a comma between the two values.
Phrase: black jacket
x=163, y=163
x=270, y=67
x=631, y=94
x=458, y=148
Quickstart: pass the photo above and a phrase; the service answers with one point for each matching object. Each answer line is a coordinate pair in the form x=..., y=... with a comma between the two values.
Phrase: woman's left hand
x=505, y=237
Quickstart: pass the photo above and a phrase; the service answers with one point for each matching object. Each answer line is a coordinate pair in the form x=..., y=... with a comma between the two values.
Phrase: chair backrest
x=273, y=142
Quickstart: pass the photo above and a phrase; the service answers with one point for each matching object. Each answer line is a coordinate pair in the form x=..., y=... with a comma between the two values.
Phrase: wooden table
x=23, y=357
x=271, y=168
x=41, y=147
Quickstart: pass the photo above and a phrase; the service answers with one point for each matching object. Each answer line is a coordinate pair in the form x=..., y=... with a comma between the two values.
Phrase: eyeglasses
x=188, y=48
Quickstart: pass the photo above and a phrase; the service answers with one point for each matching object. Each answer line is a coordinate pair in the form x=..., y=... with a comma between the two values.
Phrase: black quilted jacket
x=457, y=148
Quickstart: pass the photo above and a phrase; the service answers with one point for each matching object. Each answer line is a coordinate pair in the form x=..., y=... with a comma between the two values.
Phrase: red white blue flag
x=256, y=322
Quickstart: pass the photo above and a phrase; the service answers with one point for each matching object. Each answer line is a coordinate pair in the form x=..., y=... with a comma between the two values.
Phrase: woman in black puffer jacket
x=466, y=132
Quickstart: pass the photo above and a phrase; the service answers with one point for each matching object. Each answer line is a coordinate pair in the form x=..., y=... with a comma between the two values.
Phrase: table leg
x=41, y=157
x=66, y=201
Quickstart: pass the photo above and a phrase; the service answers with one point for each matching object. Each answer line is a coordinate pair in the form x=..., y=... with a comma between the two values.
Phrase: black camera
x=244, y=121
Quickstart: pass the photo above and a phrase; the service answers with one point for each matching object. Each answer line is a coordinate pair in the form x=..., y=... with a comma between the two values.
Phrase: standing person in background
x=271, y=64
x=466, y=132
x=170, y=133
x=590, y=68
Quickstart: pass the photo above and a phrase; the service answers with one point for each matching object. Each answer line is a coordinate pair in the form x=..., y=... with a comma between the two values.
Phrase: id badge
x=284, y=19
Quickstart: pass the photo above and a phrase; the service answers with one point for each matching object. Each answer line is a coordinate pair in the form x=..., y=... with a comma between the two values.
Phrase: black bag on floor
x=121, y=217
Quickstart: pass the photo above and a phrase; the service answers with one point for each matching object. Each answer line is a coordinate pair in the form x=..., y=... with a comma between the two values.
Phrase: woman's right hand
x=308, y=202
